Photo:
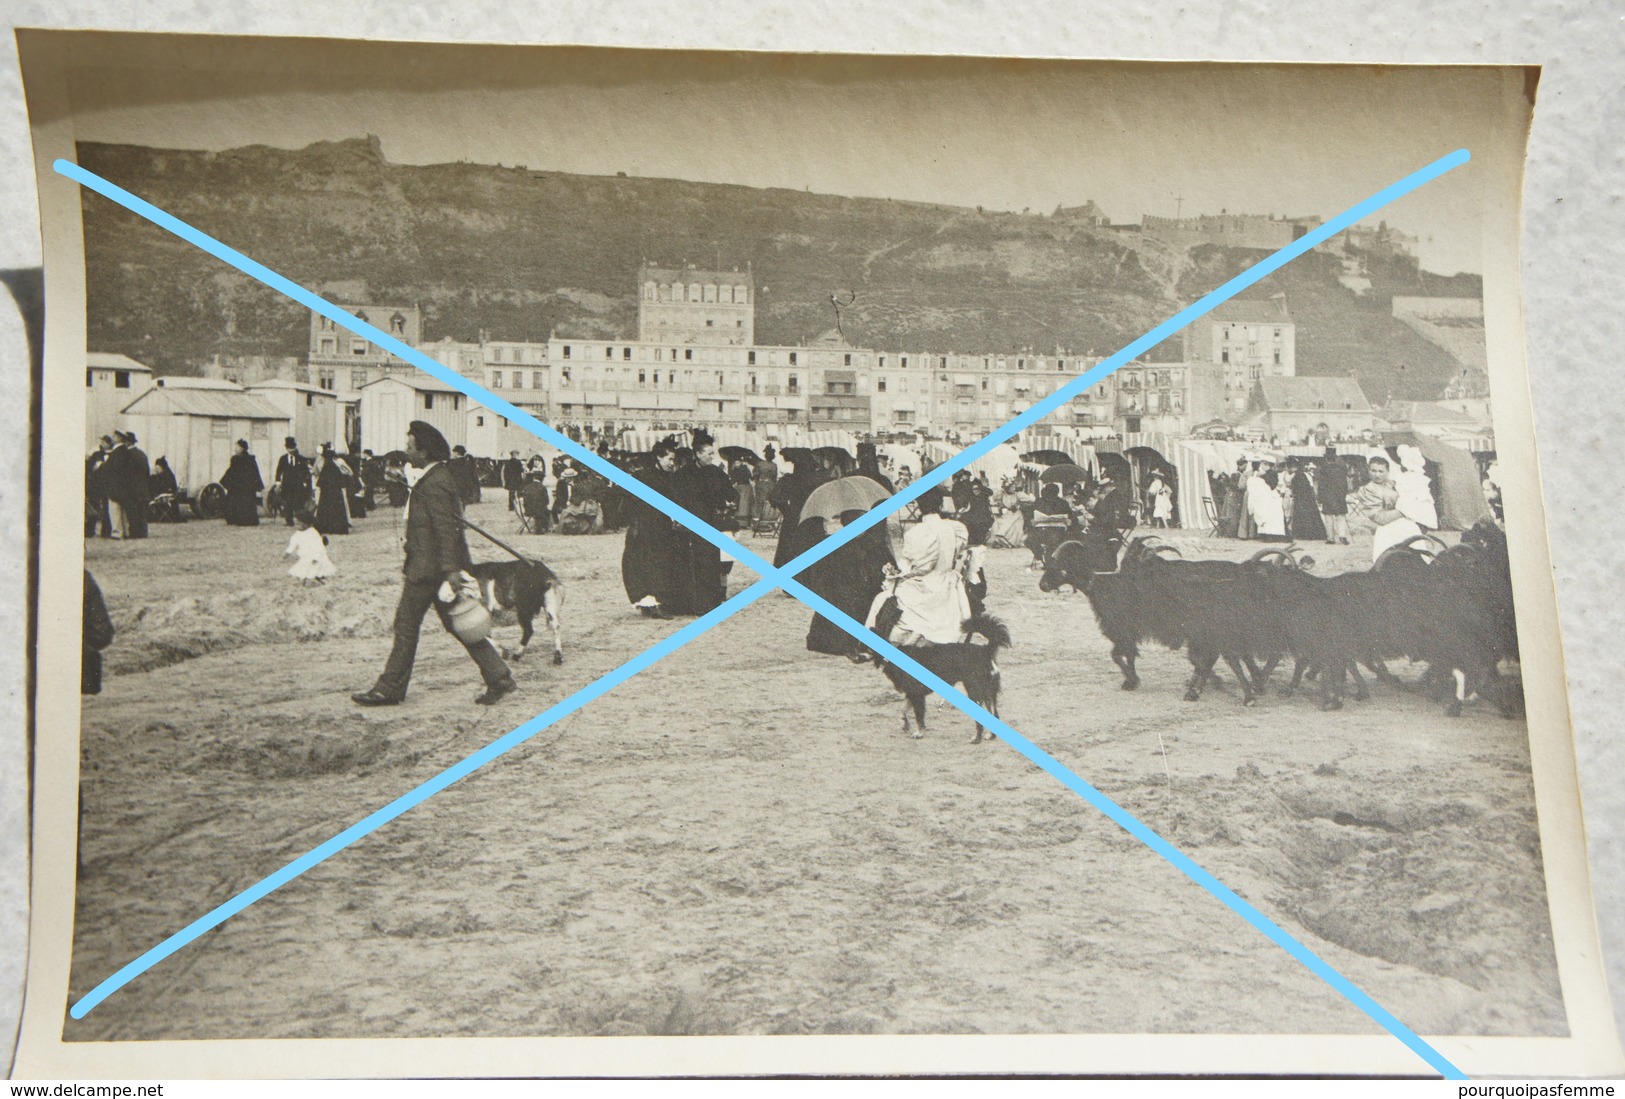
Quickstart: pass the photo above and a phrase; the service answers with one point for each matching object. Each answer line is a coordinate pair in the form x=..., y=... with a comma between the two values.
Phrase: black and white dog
x=972, y=666
x=526, y=588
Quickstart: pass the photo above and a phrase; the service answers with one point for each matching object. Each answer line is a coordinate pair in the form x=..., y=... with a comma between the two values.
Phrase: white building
x=314, y=413
x=389, y=404
x=195, y=423
x=111, y=383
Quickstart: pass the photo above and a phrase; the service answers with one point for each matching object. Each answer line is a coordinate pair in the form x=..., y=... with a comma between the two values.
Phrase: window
x=882, y=362
x=609, y=352
x=793, y=358
x=750, y=357
x=397, y=325
x=536, y=379
x=121, y=379
x=642, y=378
x=358, y=347
x=902, y=385
x=1021, y=364
x=567, y=351
x=1277, y=356
x=671, y=377
x=719, y=378
x=328, y=345
x=688, y=354
x=496, y=379
x=880, y=385
x=564, y=375
x=518, y=379
x=626, y=354
x=428, y=400
x=90, y=378
x=795, y=384
x=1224, y=356
x=1277, y=333
x=496, y=354
x=479, y=421
x=739, y=324
x=905, y=362
x=310, y=400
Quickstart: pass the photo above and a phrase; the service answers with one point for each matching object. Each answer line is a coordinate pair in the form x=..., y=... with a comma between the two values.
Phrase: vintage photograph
x=1256, y=585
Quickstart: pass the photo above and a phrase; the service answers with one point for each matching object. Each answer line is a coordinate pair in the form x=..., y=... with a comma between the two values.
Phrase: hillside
x=520, y=254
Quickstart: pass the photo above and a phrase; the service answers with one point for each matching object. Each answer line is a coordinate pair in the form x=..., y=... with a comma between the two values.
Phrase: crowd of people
x=919, y=591
x=119, y=488
x=1280, y=500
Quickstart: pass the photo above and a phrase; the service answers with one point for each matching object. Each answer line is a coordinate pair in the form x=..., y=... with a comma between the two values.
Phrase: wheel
x=272, y=501
x=211, y=502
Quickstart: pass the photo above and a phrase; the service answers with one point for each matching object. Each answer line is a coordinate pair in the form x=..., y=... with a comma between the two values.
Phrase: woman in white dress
x=1397, y=507
x=929, y=580
x=1264, y=505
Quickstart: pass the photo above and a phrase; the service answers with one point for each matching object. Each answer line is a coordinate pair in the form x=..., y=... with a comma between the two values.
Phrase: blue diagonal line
x=783, y=576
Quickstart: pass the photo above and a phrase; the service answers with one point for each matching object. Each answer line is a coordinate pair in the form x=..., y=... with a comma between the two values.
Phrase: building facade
x=344, y=363
x=693, y=305
x=1248, y=340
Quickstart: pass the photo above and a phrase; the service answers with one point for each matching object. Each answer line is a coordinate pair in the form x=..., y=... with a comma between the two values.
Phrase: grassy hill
x=520, y=254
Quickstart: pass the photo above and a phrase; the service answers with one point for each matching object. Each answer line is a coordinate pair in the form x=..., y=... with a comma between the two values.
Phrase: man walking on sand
x=436, y=555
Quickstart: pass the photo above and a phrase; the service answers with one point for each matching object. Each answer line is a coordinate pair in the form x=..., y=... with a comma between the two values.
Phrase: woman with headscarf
x=242, y=484
x=332, y=493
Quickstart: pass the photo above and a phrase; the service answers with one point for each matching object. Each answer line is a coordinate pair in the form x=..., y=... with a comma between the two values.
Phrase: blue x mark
x=771, y=578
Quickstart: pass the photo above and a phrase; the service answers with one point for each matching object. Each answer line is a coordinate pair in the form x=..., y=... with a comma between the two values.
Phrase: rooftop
x=1312, y=394
x=218, y=403
x=108, y=360
x=1252, y=311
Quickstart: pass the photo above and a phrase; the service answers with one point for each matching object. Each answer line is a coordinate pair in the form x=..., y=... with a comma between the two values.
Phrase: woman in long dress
x=1307, y=524
x=1264, y=506
x=1162, y=501
x=242, y=484
x=929, y=579
x=650, y=559
x=789, y=496
x=850, y=578
x=332, y=494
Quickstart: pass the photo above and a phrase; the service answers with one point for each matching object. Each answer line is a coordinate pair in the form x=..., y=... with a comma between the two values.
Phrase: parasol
x=833, y=499
x=835, y=454
x=1048, y=457
x=739, y=454
x=1066, y=474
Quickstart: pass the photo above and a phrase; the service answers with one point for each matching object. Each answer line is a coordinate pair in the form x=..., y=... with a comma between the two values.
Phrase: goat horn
x=1263, y=553
x=1160, y=550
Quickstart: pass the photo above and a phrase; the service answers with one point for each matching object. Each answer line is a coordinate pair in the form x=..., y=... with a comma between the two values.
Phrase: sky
x=1136, y=138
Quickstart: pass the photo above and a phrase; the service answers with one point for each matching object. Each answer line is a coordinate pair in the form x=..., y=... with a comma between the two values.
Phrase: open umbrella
x=739, y=454
x=1066, y=475
x=1048, y=457
x=832, y=499
x=834, y=454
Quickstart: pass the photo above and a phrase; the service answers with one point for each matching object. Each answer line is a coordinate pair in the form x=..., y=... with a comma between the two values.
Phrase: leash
x=499, y=543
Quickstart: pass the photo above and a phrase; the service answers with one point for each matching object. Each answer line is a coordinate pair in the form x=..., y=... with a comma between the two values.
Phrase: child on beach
x=309, y=545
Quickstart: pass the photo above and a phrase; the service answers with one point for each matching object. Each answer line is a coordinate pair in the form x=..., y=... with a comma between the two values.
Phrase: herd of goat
x=1447, y=607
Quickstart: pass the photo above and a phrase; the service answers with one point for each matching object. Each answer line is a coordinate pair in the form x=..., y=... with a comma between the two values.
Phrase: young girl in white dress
x=310, y=547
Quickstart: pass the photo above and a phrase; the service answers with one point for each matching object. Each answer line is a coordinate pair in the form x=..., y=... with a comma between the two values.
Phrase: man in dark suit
x=466, y=475
x=292, y=481
x=513, y=478
x=436, y=555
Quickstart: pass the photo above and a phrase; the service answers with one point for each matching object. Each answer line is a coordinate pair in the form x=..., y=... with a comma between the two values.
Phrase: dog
x=960, y=663
x=524, y=587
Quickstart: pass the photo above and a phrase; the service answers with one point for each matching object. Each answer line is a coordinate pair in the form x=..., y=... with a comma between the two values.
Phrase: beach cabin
x=389, y=404
x=196, y=422
x=111, y=383
x=313, y=412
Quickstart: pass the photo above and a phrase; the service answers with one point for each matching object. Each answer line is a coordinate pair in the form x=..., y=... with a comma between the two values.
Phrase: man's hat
x=290, y=443
x=430, y=441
